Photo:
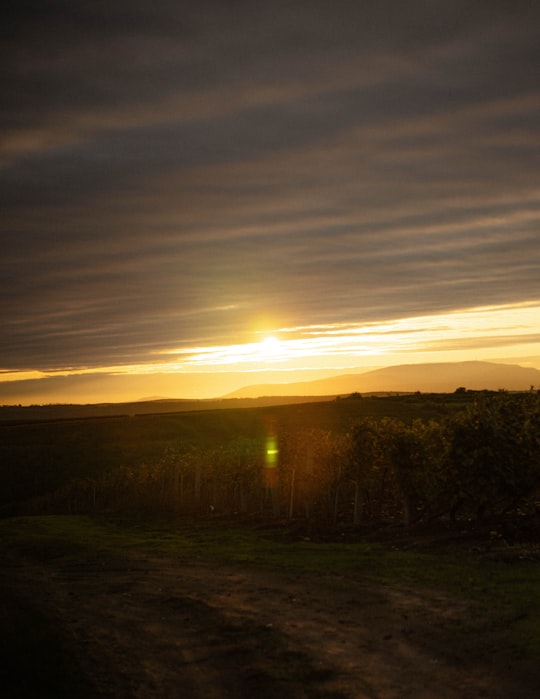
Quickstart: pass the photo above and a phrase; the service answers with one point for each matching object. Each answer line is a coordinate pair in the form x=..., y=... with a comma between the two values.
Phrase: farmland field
x=366, y=547
x=40, y=452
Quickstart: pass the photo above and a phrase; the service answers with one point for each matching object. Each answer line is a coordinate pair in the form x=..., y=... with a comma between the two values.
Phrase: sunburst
x=271, y=347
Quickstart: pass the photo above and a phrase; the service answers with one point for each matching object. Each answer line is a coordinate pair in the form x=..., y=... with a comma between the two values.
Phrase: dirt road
x=171, y=629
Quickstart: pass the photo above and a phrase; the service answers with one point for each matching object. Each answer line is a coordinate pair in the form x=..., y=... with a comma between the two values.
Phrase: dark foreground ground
x=143, y=626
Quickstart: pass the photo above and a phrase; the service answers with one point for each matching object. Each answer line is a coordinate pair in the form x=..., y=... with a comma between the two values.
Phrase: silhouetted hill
x=431, y=378
x=408, y=378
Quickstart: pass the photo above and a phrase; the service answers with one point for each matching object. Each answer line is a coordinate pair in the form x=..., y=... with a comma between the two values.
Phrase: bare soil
x=173, y=628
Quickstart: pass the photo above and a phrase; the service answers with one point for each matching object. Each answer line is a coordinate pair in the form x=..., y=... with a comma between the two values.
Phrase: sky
x=194, y=195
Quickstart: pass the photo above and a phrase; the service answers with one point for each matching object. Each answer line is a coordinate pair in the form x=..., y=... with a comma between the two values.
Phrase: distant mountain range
x=427, y=378
x=405, y=378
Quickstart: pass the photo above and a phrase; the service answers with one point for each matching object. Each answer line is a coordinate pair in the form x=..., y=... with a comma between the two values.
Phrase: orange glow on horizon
x=486, y=333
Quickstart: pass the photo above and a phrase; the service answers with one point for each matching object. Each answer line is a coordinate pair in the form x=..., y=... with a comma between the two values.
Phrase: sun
x=271, y=347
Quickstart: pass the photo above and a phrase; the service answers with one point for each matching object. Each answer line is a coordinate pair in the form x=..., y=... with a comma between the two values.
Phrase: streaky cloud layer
x=200, y=176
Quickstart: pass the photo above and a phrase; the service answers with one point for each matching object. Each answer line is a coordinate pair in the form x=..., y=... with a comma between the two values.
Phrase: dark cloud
x=322, y=162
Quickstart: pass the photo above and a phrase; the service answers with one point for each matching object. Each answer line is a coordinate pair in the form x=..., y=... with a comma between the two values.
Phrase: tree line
x=482, y=461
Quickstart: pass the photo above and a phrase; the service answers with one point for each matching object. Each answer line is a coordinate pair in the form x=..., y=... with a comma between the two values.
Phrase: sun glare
x=453, y=336
x=487, y=333
x=271, y=347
